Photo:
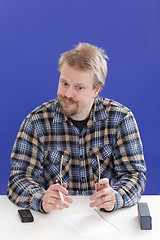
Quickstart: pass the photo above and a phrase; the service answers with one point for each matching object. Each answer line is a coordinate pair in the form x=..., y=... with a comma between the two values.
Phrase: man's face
x=76, y=92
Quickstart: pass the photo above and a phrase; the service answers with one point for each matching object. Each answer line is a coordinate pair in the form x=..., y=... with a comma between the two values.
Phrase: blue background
x=33, y=34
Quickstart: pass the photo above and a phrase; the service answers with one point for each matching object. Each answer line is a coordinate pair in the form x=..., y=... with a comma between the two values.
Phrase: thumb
x=64, y=185
x=104, y=182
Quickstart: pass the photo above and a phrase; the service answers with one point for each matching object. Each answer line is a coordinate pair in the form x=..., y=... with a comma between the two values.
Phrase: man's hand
x=51, y=199
x=104, y=197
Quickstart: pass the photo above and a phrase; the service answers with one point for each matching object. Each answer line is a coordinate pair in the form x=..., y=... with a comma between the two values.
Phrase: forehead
x=75, y=75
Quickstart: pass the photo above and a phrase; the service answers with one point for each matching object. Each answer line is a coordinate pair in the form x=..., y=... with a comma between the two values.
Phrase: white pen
x=60, y=194
x=99, y=171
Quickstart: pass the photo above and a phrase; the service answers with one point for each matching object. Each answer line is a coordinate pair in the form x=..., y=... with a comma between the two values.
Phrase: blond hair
x=86, y=56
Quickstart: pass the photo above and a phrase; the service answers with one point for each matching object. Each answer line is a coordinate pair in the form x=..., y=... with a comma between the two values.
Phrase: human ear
x=97, y=91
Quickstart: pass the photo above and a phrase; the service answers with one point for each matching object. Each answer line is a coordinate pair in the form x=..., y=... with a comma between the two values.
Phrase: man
x=90, y=144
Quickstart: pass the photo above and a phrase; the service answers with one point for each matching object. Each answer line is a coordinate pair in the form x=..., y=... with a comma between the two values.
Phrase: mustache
x=67, y=99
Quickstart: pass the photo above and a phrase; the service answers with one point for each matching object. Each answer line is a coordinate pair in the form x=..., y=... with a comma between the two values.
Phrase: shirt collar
x=59, y=117
x=98, y=113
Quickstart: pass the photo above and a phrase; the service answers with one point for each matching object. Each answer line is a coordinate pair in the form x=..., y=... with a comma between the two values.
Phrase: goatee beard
x=64, y=109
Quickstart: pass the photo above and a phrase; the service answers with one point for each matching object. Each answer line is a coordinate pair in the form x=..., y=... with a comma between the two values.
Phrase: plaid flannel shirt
x=46, y=135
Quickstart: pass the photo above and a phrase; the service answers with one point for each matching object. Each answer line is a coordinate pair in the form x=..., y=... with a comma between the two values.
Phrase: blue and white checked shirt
x=46, y=137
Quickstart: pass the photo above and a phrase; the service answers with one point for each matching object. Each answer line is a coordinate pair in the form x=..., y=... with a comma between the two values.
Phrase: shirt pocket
x=56, y=166
x=101, y=161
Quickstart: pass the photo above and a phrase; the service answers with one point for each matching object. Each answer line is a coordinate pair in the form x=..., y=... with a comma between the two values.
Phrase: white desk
x=51, y=226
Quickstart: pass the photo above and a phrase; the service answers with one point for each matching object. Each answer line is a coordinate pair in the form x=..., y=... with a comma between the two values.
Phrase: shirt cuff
x=36, y=203
x=119, y=201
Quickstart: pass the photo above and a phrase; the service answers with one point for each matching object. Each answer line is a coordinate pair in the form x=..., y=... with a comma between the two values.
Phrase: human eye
x=79, y=87
x=64, y=83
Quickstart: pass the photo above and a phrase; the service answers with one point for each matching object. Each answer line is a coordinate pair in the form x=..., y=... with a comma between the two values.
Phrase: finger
x=48, y=204
x=98, y=186
x=100, y=193
x=108, y=206
x=104, y=182
x=64, y=185
x=48, y=207
x=98, y=201
x=58, y=187
x=51, y=194
x=65, y=198
x=103, y=199
x=102, y=203
x=68, y=199
x=52, y=200
x=53, y=197
x=57, y=202
x=102, y=196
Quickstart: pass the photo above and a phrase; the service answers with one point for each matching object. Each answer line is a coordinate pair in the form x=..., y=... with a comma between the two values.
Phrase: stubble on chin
x=67, y=112
x=65, y=109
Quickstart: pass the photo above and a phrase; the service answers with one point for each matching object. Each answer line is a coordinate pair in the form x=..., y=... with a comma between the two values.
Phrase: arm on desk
x=25, y=186
x=130, y=167
x=129, y=170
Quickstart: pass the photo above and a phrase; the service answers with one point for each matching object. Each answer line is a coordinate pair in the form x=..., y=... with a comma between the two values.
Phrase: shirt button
x=82, y=179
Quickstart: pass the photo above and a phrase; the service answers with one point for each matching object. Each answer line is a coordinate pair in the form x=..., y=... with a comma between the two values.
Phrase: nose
x=69, y=93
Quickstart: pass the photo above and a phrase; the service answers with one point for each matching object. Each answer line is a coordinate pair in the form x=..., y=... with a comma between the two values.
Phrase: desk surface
x=51, y=226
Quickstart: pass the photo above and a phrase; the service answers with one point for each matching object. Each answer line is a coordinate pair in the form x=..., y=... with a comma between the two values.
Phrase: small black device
x=25, y=215
x=145, y=218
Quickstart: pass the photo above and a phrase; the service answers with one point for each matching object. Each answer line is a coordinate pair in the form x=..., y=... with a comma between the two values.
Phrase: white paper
x=89, y=224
